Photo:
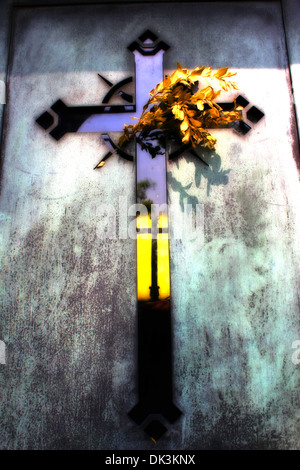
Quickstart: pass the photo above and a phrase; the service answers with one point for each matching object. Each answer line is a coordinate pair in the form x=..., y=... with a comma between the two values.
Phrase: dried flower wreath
x=178, y=107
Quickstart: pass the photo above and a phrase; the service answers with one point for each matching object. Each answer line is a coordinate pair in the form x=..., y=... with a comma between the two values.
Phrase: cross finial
x=148, y=44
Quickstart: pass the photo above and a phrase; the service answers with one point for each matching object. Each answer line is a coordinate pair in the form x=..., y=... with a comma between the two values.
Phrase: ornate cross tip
x=148, y=44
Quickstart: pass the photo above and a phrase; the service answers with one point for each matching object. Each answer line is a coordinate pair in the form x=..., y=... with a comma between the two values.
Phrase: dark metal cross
x=153, y=273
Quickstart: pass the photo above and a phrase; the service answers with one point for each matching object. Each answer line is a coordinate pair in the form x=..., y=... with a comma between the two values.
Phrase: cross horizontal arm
x=102, y=118
x=107, y=123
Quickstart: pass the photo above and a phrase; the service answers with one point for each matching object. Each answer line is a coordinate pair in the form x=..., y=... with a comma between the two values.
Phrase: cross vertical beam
x=154, y=313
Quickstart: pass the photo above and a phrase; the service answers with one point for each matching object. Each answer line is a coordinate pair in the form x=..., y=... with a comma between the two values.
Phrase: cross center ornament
x=155, y=402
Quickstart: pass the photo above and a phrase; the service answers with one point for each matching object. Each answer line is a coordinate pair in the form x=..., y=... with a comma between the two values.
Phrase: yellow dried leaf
x=224, y=85
x=178, y=113
x=196, y=74
x=221, y=72
x=186, y=136
x=174, y=106
x=216, y=94
x=185, y=124
x=234, y=85
x=206, y=72
x=197, y=71
x=229, y=74
x=195, y=122
x=124, y=138
x=208, y=92
x=214, y=113
x=200, y=105
x=191, y=112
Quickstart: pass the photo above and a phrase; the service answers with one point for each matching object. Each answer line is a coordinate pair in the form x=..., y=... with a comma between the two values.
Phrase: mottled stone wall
x=68, y=313
x=291, y=14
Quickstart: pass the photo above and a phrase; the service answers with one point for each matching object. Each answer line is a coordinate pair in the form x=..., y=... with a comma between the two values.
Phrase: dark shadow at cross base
x=155, y=366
